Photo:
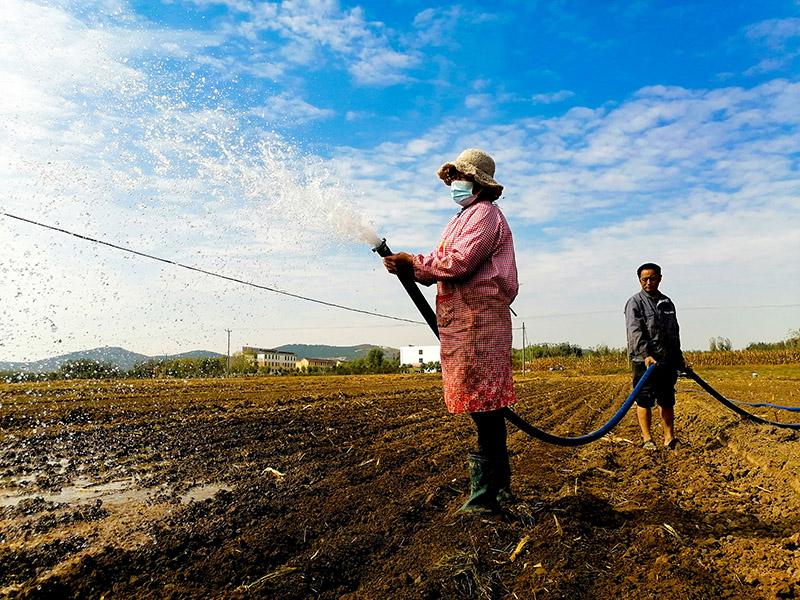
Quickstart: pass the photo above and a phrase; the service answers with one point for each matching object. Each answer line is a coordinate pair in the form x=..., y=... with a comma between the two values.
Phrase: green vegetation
x=182, y=367
x=791, y=343
x=534, y=351
x=374, y=362
x=88, y=369
x=189, y=368
x=538, y=357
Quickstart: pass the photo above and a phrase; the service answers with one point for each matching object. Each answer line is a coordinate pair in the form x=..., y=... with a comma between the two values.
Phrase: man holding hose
x=654, y=339
x=476, y=275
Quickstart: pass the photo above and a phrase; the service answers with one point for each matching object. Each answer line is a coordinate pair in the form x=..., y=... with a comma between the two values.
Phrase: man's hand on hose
x=399, y=263
x=649, y=360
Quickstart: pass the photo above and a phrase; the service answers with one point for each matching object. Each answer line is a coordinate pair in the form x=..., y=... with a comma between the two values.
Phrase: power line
x=211, y=273
x=682, y=310
x=739, y=307
x=348, y=308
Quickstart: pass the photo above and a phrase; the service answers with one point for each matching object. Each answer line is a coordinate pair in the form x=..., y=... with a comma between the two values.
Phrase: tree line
x=791, y=343
x=375, y=362
x=186, y=368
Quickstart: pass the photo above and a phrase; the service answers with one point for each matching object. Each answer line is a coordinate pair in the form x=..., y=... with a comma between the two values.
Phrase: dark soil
x=347, y=487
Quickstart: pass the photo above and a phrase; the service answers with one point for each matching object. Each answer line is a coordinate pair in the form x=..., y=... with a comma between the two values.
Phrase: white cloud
x=357, y=115
x=241, y=6
x=775, y=32
x=444, y=26
x=710, y=259
x=479, y=101
x=382, y=67
x=288, y=108
x=484, y=103
x=553, y=97
x=317, y=32
x=704, y=181
x=781, y=38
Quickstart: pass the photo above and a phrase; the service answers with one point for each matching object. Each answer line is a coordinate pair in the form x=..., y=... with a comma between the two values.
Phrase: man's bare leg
x=645, y=417
x=668, y=418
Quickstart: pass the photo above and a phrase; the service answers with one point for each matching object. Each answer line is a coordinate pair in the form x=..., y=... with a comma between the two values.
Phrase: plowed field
x=346, y=487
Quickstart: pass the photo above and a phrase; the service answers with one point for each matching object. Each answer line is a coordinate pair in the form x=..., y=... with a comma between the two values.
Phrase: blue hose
x=740, y=411
x=766, y=405
x=407, y=279
x=558, y=440
x=419, y=300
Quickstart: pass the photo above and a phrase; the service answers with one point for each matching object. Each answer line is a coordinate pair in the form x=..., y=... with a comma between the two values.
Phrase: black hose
x=407, y=279
x=740, y=411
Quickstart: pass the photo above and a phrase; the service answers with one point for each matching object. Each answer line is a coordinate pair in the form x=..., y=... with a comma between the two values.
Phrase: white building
x=419, y=355
x=269, y=357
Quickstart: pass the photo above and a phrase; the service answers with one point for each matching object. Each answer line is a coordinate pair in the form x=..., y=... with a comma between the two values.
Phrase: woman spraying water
x=476, y=276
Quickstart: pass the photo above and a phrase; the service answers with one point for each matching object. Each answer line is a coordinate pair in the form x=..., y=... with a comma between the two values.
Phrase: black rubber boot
x=503, y=478
x=483, y=487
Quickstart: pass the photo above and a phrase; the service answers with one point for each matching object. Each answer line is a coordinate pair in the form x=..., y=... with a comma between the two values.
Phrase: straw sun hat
x=479, y=165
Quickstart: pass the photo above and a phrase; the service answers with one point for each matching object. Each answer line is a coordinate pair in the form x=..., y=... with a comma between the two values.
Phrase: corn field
x=615, y=362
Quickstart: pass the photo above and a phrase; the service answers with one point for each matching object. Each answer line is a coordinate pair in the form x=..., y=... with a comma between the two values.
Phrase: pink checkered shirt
x=476, y=275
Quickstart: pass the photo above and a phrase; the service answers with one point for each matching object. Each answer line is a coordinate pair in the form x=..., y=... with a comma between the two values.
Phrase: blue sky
x=239, y=136
x=394, y=69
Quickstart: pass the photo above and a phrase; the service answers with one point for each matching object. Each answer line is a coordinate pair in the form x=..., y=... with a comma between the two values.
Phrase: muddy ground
x=346, y=487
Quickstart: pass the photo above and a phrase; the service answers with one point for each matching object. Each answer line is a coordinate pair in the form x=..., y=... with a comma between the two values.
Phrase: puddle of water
x=84, y=491
x=202, y=492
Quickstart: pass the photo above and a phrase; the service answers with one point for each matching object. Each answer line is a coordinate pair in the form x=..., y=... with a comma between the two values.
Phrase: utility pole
x=523, y=348
x=228, y=363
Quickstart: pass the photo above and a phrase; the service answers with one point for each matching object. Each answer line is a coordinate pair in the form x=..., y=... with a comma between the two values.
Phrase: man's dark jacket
x=652, y=328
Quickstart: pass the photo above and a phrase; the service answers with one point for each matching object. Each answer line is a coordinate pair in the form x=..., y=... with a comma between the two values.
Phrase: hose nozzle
x=382, y=249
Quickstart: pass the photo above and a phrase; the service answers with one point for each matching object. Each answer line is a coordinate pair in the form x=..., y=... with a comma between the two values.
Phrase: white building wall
x=276, y=359
x=414, y=355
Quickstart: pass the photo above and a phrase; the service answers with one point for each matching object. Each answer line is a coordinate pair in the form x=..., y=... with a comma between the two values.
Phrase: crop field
x=347, y=487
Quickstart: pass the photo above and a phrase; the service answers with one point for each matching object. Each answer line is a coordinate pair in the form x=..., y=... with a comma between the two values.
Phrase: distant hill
x=342, y=352
x=193, y=354
x=124, y=359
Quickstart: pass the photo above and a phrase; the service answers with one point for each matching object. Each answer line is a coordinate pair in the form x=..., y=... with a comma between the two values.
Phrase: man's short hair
x=648, y=267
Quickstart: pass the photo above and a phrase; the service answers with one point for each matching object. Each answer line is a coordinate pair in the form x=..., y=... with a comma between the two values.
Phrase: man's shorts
x=659, y=387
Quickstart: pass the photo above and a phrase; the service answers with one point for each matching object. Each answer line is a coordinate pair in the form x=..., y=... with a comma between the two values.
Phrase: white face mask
x=461, y=192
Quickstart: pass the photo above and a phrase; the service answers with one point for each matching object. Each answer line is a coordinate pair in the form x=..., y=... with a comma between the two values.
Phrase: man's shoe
x=649, y=445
